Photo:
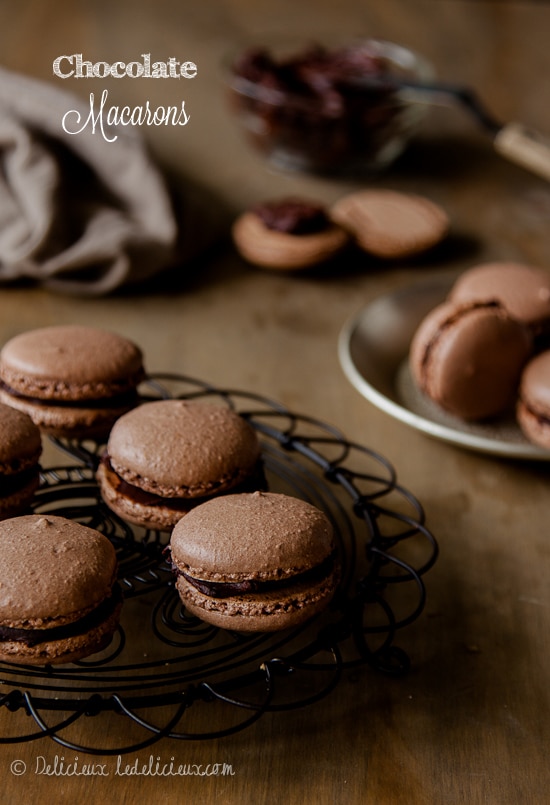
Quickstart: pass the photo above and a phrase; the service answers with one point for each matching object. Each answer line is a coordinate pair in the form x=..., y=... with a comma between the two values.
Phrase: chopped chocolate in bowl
x=327, y=110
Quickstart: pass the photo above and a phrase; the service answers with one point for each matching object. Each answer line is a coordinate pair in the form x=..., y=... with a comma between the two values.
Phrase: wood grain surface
x=470, y=723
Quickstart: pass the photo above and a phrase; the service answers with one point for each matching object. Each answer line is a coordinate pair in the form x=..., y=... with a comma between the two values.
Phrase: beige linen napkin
x=78, y=214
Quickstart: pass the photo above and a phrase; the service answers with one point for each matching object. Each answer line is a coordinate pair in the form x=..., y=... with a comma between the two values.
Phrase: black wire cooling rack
x=164, y=666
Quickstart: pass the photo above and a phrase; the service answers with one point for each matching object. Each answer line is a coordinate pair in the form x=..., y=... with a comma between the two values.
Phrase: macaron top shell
x=177, y=448
x=20, y=443
x=52, y=569
x=389, y=224
x=251, y=536
x=534, y=389
x=523, y=290
x=70, y=362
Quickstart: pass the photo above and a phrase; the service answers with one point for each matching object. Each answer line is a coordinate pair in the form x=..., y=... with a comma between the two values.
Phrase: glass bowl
x=330, y=110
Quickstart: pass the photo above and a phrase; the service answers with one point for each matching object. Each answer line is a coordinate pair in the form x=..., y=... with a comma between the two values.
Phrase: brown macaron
x=20, y=450
x=59, y=601
x=524, y=291
x=165, y=457
x=73, y=381
x=255, y=562
x=533, y=407
x=391, y=225
x=468, y=358
x=288, y=235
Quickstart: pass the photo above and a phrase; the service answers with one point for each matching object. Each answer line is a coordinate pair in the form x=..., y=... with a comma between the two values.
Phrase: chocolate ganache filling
x=226, y=589
x=257, y=481
x=126, y=399
x=33, y=637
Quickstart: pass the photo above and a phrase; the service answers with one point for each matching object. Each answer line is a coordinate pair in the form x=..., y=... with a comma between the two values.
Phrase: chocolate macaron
x=73, y=381
x=533, y=407
x=20, y=450
x=165, y=457
x=59, y=601
x=255, y=562
x=468, y=358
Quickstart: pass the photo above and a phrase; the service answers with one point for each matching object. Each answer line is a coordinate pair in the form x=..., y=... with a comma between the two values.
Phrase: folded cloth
x=78, y=214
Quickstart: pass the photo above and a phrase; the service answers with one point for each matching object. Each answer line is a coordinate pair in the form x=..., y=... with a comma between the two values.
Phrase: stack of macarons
x=293, y=233
x=485, y=344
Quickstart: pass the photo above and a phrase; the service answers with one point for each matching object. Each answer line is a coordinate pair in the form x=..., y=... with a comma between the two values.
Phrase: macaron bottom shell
x=268, y=611
x=70, y=649
x=66, y=421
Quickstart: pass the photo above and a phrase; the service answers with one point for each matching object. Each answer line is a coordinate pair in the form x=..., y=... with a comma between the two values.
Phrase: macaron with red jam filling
x=72, y=380
x=288, y=234
x=258, y=562
x=20, y=450
x=165, y=457
x=59, y=597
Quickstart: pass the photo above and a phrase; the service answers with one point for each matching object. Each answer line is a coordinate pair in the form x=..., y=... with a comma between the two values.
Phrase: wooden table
x=470, y=721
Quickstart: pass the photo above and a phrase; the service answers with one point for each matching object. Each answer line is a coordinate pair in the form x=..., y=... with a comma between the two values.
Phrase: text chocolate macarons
x=255, y=562
x=59, y=600
x=73, y=381
x=20, y=450
x=166, y=456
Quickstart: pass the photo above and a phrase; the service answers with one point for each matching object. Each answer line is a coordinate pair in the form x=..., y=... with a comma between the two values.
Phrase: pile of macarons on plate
x=484, y=350
x=243, y=558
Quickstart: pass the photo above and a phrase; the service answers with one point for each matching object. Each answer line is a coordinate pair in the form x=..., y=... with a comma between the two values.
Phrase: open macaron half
x=255, y=562
x=59, y=600
x=165, y=457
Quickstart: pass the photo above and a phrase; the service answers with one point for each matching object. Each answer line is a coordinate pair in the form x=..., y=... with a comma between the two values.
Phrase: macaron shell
x=20, y=442
x=523, y=290
x=281, y=250
x=53, y=571
x=391, y=225
x=468, y=359
x=260, y=612
x=176, y=448
x=70, y=362
x=259, y=535
x=66, y=421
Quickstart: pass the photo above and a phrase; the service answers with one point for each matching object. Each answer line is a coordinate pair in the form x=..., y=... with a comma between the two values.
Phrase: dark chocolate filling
x=256, y=482
x=223, y=589
x=126, y=399
x=9, y=484
x=33, y=637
